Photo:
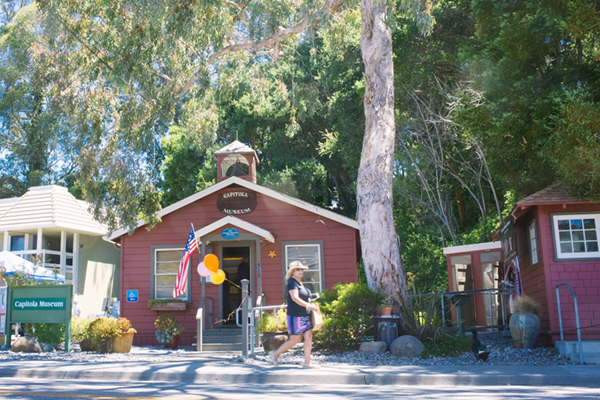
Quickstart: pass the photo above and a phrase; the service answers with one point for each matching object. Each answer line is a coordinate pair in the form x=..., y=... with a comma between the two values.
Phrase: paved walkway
x=217, y=367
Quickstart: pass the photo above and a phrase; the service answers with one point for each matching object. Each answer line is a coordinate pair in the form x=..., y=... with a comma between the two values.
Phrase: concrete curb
x=202, y=372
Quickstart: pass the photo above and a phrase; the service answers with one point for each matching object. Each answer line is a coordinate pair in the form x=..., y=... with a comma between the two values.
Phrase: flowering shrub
x=125, y=325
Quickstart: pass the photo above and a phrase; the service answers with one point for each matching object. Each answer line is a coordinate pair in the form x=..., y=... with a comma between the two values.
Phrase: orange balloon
x=211, y=262
x=217, y=277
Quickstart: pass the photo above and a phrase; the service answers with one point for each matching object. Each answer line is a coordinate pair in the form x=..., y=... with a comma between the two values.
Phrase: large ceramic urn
x=524, y=329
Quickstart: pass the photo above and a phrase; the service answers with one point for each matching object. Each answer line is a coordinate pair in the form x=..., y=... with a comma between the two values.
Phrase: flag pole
x=196, y=239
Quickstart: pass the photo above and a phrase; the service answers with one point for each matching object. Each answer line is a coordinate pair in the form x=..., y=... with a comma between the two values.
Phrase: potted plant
x=386, y=307
x=168, y=330
x=273, y=330
x=102, y=332
x=122, y=343
x=167, y=305
x=80, y=333
x=525, y=323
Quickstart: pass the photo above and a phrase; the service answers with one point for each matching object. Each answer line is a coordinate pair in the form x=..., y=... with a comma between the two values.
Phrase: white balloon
x=202, y=270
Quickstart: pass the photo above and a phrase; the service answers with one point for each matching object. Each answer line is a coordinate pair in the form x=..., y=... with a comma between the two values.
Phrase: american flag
x=182, y=273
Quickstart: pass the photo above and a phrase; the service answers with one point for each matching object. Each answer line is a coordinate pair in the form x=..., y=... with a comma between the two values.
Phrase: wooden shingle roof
x=556, y=193
x=50, y=207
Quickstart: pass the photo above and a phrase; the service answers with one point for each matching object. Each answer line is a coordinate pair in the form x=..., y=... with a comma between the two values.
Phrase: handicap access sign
x=132, y=296
x=230, y=233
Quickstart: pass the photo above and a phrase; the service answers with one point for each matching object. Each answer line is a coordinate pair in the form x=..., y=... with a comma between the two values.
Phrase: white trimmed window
x=576, y=235
x=533, y=247
x=166, y=265
x=309, y=255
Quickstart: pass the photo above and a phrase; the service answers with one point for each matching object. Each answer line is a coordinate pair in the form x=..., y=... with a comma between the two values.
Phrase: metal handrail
x=562, y=333
x=252, y=323
x=502, y=291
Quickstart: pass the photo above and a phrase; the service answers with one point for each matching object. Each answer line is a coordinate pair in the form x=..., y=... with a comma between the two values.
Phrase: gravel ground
x=502, y=353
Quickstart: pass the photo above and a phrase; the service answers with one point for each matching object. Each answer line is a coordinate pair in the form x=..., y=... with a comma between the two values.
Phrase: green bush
x=53, y=334
x=446, y=344
x=347, y=316
x=80, y=329
x=102, y=331
x=22, y=279
x=272, y=323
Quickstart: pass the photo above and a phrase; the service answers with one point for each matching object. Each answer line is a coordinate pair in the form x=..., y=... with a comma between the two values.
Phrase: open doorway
x=236, y=265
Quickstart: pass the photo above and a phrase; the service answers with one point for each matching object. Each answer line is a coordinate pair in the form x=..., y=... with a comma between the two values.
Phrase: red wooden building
x=557, y=240
x=477, y=270
x=236, y=219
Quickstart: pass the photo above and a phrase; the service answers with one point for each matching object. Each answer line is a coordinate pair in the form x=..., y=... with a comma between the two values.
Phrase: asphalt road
x=40, y=389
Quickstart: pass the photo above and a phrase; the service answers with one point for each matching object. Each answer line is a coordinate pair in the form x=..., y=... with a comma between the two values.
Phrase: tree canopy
x=125, y=102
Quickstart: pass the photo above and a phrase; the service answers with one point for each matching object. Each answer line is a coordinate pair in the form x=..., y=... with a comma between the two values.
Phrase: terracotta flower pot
x=524, y=329
x=123, y=344
x=85, y=345
x=272, y=340
x=386, y=311
x=105, y=346
x=173, y=343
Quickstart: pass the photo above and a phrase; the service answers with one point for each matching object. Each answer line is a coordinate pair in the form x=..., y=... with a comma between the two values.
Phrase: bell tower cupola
x=236, y=159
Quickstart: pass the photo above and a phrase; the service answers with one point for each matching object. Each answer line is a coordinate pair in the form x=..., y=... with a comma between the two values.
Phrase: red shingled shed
x=557, y=240
x=234, y=219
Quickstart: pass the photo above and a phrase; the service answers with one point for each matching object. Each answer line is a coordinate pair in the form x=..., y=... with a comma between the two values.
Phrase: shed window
x=576, y=235
x=533, y=247
x=166, y=265
x=309, y=255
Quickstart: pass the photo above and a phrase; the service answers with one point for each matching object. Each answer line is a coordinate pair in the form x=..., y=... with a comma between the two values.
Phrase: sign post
x=35, y=304
x=2, y=315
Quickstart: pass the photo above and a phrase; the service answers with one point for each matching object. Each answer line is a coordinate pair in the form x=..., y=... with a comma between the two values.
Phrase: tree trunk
x=379, y=241
x=461, y=207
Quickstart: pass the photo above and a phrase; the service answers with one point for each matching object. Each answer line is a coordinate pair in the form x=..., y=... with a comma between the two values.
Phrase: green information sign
x=44, y=303
x=39, y=304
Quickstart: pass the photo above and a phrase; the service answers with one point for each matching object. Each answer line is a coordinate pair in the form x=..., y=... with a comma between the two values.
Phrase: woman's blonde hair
x=294, y=265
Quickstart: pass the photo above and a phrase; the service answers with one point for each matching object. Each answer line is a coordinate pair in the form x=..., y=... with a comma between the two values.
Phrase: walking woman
x=298, y=314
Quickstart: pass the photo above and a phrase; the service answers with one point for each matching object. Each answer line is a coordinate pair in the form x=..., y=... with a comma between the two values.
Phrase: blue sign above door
x=230, y=233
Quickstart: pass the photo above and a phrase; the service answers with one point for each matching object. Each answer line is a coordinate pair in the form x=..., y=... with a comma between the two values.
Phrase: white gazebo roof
x=6, y=204
x=49, y=207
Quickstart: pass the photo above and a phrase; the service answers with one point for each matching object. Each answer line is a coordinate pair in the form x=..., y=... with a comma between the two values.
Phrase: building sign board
x=40, y=303
x=237, y=202
x=230, y=233
x=2, y=311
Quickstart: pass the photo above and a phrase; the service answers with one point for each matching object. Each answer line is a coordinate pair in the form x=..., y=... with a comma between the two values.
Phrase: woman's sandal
x=272, y=359
x=311, y=366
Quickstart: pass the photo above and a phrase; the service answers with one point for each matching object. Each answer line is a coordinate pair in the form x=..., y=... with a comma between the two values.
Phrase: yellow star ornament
x=272, y=253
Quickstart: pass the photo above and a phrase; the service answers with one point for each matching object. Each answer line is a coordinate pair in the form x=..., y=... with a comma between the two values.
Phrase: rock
x=47, y=347
x=272, y=340
x=373, y=347
x=26, y=345
x=407, y=346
